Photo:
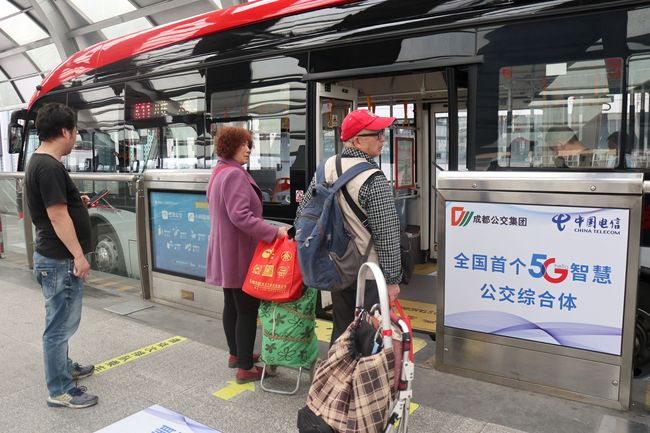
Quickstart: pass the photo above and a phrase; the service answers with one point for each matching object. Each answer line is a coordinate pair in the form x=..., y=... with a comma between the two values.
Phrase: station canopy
x=36, y=35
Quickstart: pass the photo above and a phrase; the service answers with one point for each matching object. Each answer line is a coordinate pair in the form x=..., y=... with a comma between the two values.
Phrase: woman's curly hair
x=230, y=140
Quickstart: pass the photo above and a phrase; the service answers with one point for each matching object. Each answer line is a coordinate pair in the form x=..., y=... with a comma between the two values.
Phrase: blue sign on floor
x=157, y=419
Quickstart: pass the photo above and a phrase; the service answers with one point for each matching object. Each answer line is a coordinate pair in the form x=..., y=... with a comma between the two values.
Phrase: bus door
x=333, y=103
x=448, y=122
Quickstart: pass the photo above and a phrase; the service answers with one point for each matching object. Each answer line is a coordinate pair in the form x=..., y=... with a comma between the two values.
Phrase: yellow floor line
x=137, y=354
x=233, y=389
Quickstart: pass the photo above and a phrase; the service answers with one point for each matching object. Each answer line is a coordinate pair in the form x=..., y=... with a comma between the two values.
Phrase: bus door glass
x=442, y=146
x=334, y=102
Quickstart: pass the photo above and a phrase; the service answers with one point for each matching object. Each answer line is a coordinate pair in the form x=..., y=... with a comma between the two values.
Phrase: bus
x=475, y=85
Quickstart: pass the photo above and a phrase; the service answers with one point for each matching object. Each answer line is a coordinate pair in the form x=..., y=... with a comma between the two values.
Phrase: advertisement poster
x=157, y=419
x=180, y=225
x=542, y=273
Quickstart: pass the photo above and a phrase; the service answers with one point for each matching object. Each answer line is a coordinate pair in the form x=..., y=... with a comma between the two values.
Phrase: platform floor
x=189, y=376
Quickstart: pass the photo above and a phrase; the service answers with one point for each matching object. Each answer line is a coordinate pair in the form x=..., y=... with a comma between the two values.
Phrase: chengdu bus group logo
x=460, y=217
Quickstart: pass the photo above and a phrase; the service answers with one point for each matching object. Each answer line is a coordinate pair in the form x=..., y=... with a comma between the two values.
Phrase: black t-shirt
x=48, y=183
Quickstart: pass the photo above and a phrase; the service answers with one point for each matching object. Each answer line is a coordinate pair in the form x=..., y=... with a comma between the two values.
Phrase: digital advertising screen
x=551, y=274
x=180, y=225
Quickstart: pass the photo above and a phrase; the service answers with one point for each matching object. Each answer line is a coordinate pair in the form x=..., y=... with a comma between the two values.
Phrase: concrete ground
x=185, y=375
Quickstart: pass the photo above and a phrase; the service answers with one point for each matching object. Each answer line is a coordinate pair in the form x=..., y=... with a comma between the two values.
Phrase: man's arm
x=64, y=229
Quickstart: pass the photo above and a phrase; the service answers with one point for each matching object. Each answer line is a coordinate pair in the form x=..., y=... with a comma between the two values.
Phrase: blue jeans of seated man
x=62, y=292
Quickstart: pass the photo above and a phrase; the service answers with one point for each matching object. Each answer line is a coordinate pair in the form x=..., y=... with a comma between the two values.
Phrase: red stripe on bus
x=124, y=47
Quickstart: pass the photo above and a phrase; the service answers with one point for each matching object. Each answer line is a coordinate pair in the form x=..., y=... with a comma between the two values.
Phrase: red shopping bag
x=274, y=274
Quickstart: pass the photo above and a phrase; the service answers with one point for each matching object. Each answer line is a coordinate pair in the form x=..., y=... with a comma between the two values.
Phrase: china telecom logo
x=560, y=220
x=460, y=217
x=596, y=225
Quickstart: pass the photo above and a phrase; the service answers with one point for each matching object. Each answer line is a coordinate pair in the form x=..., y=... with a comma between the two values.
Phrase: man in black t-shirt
x=62, y=240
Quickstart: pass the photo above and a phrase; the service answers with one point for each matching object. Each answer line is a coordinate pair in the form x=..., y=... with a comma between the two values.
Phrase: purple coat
x=236, y=224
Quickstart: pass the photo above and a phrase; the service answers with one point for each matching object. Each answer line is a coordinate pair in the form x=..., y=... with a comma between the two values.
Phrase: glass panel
x=637, y=143
x=11, y=212
x=113, y=223
x=559, y=115
x=8, y=95
x=7, y=9
x=166, y=118
x=269, y=112
x=442, y=140
x=98, y=11
x=332, y=113
x=100, y=125
x=22, y=29
x=27, y=86
x=46, y=57
x=126, y=28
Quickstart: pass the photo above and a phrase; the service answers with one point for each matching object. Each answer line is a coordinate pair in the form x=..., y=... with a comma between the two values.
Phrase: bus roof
x=124, y=47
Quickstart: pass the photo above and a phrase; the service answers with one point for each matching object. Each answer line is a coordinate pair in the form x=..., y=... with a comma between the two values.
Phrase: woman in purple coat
x=235, y=203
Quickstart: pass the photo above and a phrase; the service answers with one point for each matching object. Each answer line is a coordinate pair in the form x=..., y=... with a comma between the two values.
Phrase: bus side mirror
x=16, y=130
x=15, y=138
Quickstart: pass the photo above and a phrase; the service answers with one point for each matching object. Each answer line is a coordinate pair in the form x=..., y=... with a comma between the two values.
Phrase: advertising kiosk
x=177, y=229
x=538, y=277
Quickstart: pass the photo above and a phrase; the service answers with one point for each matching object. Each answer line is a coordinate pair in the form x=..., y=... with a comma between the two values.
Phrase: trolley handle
x=387, y=330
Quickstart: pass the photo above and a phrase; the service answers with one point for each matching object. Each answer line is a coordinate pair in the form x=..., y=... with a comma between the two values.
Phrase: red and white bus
x=475, y=84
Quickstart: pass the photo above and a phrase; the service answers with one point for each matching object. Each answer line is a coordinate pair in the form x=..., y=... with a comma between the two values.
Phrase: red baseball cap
x=358, y=120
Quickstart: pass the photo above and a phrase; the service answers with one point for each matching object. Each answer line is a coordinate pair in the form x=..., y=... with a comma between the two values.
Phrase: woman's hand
x=282, y=232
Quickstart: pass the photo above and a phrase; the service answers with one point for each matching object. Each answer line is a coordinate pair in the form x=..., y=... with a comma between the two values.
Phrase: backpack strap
x=350, y=174
x=357, y=211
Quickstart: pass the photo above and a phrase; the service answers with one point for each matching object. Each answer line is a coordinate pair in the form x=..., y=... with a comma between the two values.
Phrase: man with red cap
x=363, y=135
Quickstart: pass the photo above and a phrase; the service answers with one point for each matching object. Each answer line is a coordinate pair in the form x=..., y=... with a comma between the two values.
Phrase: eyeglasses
x=378, y=134
x=249, y=143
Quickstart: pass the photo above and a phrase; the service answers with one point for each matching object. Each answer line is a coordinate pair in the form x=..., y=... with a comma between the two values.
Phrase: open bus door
x=333, y=103
x=430, y=106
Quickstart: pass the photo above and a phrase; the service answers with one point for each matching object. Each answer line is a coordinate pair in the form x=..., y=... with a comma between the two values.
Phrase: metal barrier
x=538, y=275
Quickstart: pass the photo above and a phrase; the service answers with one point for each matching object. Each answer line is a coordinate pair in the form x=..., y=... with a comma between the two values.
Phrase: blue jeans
x=63, y=295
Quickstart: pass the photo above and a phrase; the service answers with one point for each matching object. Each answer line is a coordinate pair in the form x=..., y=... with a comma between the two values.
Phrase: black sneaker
x=76, y=398
x=81, y=371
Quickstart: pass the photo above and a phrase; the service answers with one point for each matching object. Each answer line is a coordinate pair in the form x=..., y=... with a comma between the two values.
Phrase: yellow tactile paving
x=425, y=268
x=324, y=333
x=422, y=314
